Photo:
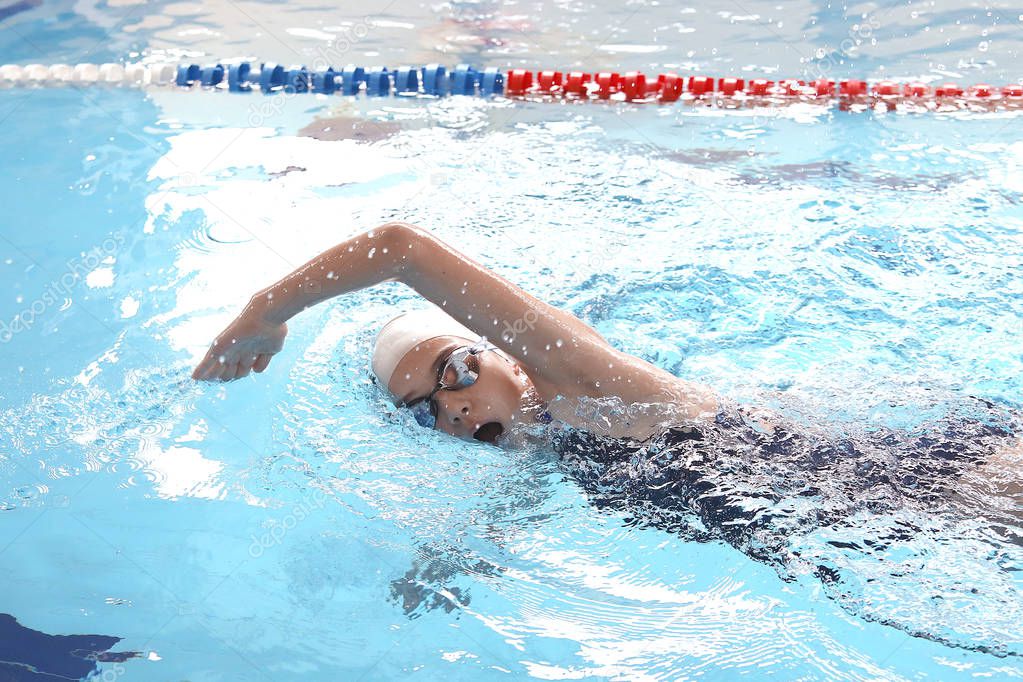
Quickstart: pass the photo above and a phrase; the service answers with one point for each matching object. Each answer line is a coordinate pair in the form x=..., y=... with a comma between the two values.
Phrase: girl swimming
x=488, y=360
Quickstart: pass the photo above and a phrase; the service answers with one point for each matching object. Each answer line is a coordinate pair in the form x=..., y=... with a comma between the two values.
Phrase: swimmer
x=489, y=361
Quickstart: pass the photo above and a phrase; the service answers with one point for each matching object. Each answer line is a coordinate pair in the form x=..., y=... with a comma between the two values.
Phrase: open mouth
x=489, y=432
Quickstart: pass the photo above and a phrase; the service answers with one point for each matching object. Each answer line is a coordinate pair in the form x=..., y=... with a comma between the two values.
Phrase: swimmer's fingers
x=245, y=366
x=230, y=372
x=214, y=366
x=261, y=362
x=220, y=368
x=209, y=368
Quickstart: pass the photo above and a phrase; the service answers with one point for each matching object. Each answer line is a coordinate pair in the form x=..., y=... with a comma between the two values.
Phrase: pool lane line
x=435, y=80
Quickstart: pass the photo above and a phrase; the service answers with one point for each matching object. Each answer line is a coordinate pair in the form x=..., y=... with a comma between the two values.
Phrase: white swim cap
x=408, y=330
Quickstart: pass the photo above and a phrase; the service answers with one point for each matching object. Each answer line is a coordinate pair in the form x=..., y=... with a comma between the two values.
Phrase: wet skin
x=503, y=393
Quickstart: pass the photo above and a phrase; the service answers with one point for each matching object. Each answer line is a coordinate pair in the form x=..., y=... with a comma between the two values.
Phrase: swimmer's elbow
x=403, y=242
x=397, y=232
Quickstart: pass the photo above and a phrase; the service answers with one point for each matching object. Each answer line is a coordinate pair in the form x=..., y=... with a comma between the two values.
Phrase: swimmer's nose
x=457, y=408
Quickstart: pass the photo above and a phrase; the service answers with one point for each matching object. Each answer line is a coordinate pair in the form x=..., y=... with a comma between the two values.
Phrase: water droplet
x=384, y=249
x=559, y=343
x=407, y=376
x=330, y=275
x=983, y=46
x=371, y=253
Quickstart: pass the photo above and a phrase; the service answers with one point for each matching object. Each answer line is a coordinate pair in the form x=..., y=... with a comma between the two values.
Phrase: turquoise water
x=848, y=270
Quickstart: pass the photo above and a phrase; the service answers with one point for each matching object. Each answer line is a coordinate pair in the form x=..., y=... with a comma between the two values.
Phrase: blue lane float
x=238, y=77
x=326, y=82
x=434, y=79
x=297, y=80
x=187, y=75
x=491, y=81
x=378, y=82
x=351, y=76
x=463, y=80
x=406, y=81
x=211, y=76
x=271, y=77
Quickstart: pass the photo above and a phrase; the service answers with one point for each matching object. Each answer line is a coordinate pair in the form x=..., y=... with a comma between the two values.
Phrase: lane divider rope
x=435, y=80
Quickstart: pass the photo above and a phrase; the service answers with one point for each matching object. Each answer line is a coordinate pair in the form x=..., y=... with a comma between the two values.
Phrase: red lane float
x=635, y=86
x=576, y=82
x=669, y=87
x=549, y=81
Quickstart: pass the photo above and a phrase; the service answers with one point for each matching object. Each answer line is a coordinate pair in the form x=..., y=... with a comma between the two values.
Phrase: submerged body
x=732, y=480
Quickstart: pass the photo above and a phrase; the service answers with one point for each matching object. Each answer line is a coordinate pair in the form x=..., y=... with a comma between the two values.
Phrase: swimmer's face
x=490, y=406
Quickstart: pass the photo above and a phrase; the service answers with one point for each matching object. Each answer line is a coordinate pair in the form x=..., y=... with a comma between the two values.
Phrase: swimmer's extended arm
x=556, y=348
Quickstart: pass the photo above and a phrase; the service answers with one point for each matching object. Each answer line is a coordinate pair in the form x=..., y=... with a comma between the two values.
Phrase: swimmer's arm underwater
x=558, y=349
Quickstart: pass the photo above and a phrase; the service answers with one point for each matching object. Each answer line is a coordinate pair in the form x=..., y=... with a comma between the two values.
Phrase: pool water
x=850, y=271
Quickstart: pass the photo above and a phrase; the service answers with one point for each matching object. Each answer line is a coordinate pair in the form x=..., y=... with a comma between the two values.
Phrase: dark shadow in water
x=349, y=128
x=430, y=583
x=28, y=655
x=16, y=7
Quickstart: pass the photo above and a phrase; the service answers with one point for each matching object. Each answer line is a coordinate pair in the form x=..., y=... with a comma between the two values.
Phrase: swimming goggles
x=460, y=370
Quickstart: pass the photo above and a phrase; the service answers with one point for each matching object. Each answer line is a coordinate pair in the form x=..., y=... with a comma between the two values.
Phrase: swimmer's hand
x=245, y=346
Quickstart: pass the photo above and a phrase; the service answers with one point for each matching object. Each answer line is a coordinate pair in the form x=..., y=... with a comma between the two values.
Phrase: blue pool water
x=851, y=271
